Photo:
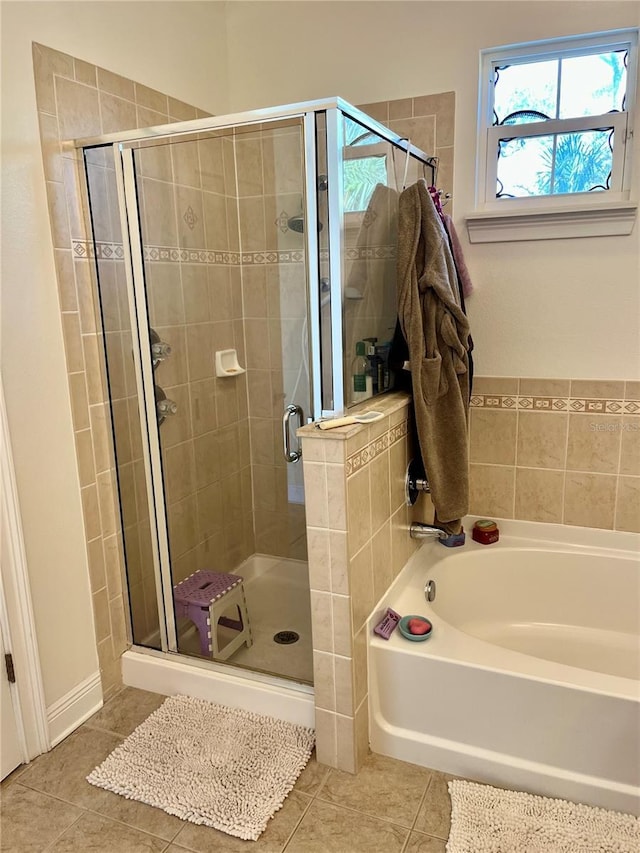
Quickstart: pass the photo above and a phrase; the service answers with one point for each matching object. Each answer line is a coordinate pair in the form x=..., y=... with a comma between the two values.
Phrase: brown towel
x=437, y=334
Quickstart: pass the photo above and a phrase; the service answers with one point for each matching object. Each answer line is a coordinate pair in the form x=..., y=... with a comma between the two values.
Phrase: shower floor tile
x=277, y=593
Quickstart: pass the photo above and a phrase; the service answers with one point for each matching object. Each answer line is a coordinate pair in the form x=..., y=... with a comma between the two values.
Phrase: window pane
x=592, y=84
x=527, y=87
x=583, y=161
x=561, y=163
x=360, y=178
x=522, y=164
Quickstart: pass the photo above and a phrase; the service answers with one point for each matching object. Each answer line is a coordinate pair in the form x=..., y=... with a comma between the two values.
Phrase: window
x=365, y=164
x=555, y=127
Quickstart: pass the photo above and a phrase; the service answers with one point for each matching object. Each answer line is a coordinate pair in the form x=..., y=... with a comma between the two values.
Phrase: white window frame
x=609, y=211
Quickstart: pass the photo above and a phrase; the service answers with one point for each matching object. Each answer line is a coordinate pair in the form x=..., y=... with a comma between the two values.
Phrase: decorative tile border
x=366, y=454
x=106, y=251
x=556, y=404
x=361, y=253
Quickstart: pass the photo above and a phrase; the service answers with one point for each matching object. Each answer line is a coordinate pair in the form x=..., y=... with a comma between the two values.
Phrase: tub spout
x=426, y=531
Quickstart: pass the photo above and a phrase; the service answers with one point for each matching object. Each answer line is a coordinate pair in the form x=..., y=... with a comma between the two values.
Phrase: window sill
x=605, y=220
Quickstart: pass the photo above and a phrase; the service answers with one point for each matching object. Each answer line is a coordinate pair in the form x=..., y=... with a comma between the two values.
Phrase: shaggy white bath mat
x=209, y=764
x=488, y=820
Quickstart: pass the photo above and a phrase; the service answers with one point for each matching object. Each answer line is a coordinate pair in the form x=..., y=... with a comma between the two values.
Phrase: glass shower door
x=222, y=305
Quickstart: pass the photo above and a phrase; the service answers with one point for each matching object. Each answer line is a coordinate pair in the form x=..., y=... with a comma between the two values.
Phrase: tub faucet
x=426, y=531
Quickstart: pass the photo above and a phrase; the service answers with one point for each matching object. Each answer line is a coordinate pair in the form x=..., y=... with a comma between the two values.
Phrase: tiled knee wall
x=561, y=451
x=357, y=536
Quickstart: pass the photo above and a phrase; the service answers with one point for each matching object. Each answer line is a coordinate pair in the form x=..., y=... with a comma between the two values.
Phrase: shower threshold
x=170, y=674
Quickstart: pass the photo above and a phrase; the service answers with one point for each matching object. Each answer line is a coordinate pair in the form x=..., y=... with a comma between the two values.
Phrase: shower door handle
x=289, y=454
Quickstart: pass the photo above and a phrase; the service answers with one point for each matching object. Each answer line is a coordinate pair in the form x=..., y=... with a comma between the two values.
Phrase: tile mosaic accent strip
x=556, y=404
x=360, y=253
x=105, y=251
x=369, y=452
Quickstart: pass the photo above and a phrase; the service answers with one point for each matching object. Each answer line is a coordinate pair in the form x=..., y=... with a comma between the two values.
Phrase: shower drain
x=286, y=637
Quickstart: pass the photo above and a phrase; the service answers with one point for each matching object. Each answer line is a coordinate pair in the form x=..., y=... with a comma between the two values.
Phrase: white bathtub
x=531, y=676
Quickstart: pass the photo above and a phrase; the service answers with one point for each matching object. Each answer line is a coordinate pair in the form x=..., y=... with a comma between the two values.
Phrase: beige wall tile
x=315, y=489
x=378, y=111
x=326, y=742
x=589, y=500
x=322, y=621
x=343, y=685
x=628, y=504
x=361, y=581
x=79, y=404
x=66, y=281
x=318, y=545
x=594, y=443
x=97, y=573
x=493, y=436
x=100, y=426
x=336, y=497
x=324, y=680
x=117, y=85
x=48, y=63
x=421, y=131
x=402, y=108
x=342, y=635
x=630, y=446
x=180, y=111
x=491, y=490
x=345, y=736
x=91, y=511
x=362, y=733
x=398, y=460
x=94, y=369
x=339, y=562
x=597, y=389
x=78, y=109
x=359, y=510
x=380, y=490
x=151, y=99
x=84, y=452
x=101, y=614
x=539, y=495
x=632, y=390
x=58, y=216
x=542, y=439
x=544, y=387
x=160, y=213
x=117, y=114
x=401, y=546
x=382, y=568
x=495, y=385
x=72, y=342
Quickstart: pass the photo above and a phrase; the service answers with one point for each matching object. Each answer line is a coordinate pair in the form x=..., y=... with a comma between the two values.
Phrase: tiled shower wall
x=76, y=99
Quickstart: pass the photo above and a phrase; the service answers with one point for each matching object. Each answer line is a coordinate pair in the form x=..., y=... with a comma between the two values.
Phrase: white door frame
x=16, y=612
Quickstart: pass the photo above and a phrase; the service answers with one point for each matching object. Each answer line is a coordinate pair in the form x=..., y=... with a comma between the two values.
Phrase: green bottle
x=360, y=377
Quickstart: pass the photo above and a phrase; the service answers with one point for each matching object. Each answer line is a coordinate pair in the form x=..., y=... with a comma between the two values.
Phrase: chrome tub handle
x=289, y=454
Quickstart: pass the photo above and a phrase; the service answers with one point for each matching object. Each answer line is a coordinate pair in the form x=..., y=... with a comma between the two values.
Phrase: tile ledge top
x=389, y=402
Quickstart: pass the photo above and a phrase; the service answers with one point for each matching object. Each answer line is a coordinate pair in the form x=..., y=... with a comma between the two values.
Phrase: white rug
x=489, y=820
x=209, y=764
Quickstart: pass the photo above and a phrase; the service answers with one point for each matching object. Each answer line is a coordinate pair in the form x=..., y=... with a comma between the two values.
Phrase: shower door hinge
x=11, y=673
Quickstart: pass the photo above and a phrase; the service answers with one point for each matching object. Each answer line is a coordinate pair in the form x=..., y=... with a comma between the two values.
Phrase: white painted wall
x=557, y=308
x=175, y=47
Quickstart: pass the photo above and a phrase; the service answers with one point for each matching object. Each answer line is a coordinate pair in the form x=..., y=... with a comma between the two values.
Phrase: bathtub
x=530, y=678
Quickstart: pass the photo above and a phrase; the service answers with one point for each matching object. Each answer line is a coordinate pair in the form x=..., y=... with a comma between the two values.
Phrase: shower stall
x=239, y=260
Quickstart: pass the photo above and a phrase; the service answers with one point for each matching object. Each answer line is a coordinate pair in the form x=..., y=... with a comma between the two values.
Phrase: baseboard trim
x=74, y=708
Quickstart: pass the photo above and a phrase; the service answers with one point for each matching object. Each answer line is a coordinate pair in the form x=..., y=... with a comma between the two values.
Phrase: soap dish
x=227, y=363
x=403, y=625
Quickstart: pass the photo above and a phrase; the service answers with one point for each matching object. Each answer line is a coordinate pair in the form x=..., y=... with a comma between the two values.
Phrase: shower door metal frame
x=123, y=145
x=123, y=152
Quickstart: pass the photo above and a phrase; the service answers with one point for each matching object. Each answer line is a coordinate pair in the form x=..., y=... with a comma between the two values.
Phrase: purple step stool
x=203, y=597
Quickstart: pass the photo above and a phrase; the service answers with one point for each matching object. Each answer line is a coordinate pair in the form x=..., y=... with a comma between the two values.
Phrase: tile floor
x=390, y=807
